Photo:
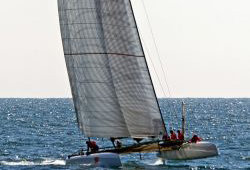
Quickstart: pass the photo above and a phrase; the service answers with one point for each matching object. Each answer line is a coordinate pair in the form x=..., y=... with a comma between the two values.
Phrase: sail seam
x=75, y=9
x=110, y=126
x=97, y=24
x=104, y=111
x=93, y=38
x=119, y=54
x=103, y=67
x=108, y=97
x=108, y=82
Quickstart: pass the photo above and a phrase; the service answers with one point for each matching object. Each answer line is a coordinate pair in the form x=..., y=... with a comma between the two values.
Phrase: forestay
x=111, y=86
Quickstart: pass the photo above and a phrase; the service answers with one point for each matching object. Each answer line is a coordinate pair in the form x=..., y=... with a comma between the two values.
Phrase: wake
x=31, y=163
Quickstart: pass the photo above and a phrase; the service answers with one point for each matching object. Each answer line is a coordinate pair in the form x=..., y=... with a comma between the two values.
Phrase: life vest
x=180, y=136
x=92, y=144
x=165, y=137
x=195, y=139
x=173, y=136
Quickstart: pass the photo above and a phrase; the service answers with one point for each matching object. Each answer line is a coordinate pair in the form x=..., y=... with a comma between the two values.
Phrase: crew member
x=180, y=135
x=92, y=146
x=113, y=141
x=81, y=152
x=195, y=139
x=118, y=143
x=173, y=135
x=165, y=137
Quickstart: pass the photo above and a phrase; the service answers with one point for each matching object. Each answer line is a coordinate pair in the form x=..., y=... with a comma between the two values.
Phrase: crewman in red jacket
x=92, y=146
x=180, y=135
x=173, y=135
x=195, y=139
x=165, y=137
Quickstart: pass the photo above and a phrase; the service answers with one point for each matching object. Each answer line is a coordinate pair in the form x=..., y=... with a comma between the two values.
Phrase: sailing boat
x=110, y=81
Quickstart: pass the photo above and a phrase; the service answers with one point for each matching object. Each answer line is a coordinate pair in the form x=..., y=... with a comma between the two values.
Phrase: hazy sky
x=204, y=46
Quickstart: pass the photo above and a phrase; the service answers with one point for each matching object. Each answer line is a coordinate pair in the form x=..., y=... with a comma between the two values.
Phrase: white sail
x=111, y=86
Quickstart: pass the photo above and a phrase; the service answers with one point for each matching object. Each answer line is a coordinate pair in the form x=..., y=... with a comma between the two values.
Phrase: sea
x=39, y=134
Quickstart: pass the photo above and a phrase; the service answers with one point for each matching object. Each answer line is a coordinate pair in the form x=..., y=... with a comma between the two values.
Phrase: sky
x=203, y=46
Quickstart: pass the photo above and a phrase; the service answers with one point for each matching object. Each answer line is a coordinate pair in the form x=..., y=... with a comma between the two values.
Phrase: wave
x=247, y=158
x=33, y=163
x=154, y=162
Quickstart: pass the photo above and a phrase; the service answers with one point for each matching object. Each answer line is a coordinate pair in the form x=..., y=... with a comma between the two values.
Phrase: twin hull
x=186, y=151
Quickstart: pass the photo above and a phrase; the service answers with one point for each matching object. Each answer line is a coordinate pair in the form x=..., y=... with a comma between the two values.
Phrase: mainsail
x=111, y=87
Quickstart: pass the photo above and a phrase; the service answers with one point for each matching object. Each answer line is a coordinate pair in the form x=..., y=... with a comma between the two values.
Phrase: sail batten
x=111, y=86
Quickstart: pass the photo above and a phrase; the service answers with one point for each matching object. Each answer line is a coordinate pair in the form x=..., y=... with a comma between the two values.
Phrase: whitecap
x=31, y=163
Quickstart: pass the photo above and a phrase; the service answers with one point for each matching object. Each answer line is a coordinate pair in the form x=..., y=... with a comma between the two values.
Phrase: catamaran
x=112, y=89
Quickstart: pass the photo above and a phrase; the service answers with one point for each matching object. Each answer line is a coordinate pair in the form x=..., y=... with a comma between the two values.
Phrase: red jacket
x=180, y=136
x=195, y=139
x=165, y=137
x=92, y=144
x=173, y=136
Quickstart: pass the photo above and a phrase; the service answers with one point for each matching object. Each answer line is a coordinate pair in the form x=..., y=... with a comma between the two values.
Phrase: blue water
x=40, y=133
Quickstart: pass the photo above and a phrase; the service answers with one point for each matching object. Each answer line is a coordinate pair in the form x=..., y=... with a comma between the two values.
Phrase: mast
x=183, y=106
x=164, y=125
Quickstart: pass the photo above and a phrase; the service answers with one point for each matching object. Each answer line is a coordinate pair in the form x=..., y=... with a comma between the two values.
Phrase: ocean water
x=40, y=133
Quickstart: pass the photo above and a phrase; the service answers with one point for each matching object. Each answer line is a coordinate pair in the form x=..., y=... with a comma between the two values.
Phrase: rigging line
x=158, y=54
x=137, y=31
x=147, y=51
x=156, y=48
x=158, y=78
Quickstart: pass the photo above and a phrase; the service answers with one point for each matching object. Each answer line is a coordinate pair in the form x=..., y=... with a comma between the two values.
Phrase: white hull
x=97, y=159
x=191, y=151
